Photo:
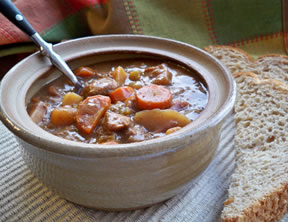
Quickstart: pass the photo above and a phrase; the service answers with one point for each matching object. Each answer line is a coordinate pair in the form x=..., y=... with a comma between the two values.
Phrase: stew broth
x=123, y=101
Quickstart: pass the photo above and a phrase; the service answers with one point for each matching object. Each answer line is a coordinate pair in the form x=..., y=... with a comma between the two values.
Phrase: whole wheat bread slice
x=271, y=67
x=259, y=186
x=235, y=59
x=266, y=67
x=258, y=191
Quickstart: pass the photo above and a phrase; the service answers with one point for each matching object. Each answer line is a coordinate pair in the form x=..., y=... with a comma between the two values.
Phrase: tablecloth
x=24, y=198
x=255, y=26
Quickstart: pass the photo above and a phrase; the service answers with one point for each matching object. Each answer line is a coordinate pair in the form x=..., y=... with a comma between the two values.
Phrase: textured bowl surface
x=126, y=176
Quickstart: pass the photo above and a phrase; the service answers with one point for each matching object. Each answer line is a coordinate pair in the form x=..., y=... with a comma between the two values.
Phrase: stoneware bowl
x=126, y=176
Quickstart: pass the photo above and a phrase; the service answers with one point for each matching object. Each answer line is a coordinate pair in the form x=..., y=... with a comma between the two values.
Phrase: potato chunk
x=173, y=130
x=63, y=116
x=119, y=75
x=71, y=98
x=157, y=120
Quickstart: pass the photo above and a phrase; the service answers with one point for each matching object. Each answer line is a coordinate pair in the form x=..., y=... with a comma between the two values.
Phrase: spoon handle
x=9, y=10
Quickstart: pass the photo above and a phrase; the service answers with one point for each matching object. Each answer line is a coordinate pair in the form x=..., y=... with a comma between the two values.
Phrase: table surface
x=24, y=198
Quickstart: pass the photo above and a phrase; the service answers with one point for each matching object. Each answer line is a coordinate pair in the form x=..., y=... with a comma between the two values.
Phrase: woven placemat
x=24, y=198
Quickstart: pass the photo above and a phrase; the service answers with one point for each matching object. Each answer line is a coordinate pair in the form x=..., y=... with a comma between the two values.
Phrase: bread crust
x=271, y=208
x=264, y=61
x=211, y=48
x=251, y=74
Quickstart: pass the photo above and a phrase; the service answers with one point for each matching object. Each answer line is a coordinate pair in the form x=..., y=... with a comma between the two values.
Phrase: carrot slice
x=153, y=97
x=90, y=112
x=84, y=71
x=121, y=94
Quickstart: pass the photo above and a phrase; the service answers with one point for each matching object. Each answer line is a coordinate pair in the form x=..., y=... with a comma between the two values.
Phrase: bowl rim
x=148, y=147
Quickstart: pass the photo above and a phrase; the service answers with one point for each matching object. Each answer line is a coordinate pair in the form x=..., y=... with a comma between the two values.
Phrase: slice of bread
x=259, y=187
x=266, y=67
x=271, y=67
x=235, y=59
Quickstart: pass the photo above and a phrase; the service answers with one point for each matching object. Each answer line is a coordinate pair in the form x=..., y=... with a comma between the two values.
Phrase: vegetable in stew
x=123, y=101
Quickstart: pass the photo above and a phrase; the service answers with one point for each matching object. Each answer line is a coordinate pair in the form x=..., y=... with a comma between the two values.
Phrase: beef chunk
x=160, y=75
x=37, y=111
x=101, y=86
x=115, y=122
x=53, y=91
x=179, y=105
x=135, y=133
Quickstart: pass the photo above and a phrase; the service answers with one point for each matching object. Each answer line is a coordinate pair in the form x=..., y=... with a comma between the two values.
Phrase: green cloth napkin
x=255, y=26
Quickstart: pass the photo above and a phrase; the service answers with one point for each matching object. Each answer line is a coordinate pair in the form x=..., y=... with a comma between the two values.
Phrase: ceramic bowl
x=126, y=176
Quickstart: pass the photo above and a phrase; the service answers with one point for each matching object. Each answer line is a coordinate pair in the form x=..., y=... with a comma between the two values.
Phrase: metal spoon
x=10, y=11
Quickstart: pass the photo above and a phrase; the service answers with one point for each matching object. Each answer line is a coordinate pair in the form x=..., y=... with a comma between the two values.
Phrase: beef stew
x=122, y=101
